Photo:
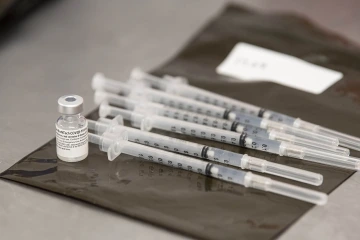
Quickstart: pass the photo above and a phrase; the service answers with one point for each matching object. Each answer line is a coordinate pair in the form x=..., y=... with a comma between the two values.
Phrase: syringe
x=147, y=121
x=114, y=145
x=162, y=110
x=178, y=86
x=198, y=150
x=99, y=82
x=344, y=140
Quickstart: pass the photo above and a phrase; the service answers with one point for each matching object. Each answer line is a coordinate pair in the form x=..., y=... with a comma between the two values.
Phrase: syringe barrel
x=98, y=127
x=261, y=144
x=244, y=140
x=152, y=139
x=137, y=119
x=100, y=82
x=197, y=118
x=246, y=119
x=149, y=139
x=178, y=161
x=106, y=110
x=164, y=142
x=114, y=99
x=179, y=102
x=146, y=123
x=96, y=139
x=210, y=153
x=108, y=144
x=277, y=117
x=220, y=172
x=181, y=146
x=104, y=143
x=138, y=75
x=290, y=150
x=223, y=156
x=166, y=158
x=255, y=131
x=205, y=96
x=228, y=103
x=178, y=86
x=191, y=129
x=227, y=174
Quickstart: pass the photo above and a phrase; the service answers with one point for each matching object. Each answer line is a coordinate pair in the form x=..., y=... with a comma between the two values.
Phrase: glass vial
x=71, y=130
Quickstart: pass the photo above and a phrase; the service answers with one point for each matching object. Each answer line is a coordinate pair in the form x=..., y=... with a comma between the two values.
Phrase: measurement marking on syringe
x=157, y=145
x=196, y=118
x=205, y=135
x=189, y=107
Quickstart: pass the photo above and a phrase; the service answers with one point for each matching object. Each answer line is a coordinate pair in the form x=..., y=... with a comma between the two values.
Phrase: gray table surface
x=60, y=47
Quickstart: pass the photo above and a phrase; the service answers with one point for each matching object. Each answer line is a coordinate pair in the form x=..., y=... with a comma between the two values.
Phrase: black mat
x=195, y=205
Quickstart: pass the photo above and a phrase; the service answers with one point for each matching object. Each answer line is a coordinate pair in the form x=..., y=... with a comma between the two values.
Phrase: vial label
x=72, y=143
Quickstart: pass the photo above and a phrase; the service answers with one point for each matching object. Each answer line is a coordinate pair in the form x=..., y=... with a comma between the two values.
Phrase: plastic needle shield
x=162, y=110
x=140, y=90
x=179, y=86
x=115, y=144
x=147, y=121
x=210, y=153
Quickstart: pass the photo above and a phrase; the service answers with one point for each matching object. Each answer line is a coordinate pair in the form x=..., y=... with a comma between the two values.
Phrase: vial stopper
x=70, y=104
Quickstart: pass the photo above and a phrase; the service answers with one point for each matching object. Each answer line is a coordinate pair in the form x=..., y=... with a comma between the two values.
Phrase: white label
x=72, y=143
x=252, y=63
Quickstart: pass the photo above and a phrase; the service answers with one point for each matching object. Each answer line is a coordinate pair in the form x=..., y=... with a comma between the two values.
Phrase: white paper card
x=252, y=63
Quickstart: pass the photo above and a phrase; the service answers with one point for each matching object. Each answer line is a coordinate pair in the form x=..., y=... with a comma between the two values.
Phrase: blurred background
x=339, y=16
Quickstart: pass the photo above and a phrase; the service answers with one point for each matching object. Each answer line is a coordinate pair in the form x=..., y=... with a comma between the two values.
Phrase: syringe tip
x=357, y=166
x=99, y=96
x=104, y=109
x=136, y=74
x=319, y=180
x=98, y=81
x=322, y=199
x=335, y=142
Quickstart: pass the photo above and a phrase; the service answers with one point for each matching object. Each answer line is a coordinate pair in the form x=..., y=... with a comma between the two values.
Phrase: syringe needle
x=114, y=145
x=210, y=153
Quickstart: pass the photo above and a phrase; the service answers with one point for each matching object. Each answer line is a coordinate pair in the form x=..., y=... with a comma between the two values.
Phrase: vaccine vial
x=71, y=130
